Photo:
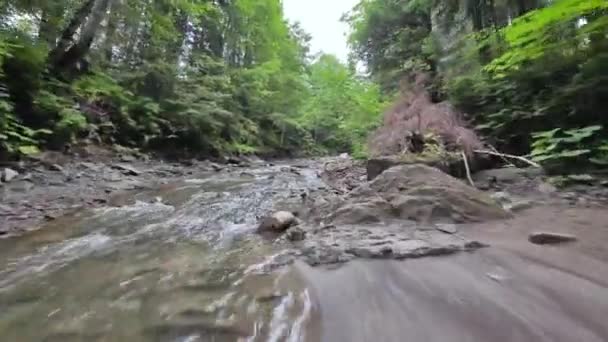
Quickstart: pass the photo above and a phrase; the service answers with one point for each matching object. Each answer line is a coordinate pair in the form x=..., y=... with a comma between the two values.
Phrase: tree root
x=467, y=169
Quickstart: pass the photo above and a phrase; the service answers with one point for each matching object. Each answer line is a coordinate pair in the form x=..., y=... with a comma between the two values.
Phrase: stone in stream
x=550, y=238
x=56, y=167
x=126, y=169
x=278, y=222
x=9, y=174
x=295, y=234
x=446, y=228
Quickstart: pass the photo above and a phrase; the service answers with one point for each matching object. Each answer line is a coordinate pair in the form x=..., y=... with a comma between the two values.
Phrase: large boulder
x=415, y=192
x=448, y=164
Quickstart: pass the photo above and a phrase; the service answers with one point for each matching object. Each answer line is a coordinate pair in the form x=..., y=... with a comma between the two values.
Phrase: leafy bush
x=542, y=92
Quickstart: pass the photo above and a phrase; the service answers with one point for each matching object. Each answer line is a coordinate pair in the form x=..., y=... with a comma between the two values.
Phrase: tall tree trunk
x=69, y=52
x=108, y=45
x=67, y=37
x=46, y=31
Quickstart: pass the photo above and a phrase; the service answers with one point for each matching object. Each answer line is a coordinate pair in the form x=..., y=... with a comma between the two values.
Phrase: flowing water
x=181, y=263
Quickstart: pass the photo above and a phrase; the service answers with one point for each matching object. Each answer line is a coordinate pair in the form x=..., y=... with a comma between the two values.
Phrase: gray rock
x=507, y=175
x=501, y=197
x=126, y=169
x=446, y=228
x=549, y=238
x=373, y=210
x=520, y=205
x=547, y=188
x=216, y=167
x=295, y=234
x=56, y=167
x=90, y=166
x=376, y=166
x=413, y=192
x=277, y=222
x=9, y=174
x=127, y=158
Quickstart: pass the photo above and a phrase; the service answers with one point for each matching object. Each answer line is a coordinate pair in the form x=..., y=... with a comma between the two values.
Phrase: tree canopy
x=193, y=77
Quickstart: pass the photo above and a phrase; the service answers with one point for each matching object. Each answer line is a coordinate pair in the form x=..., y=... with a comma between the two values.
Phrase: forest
x=205, y=78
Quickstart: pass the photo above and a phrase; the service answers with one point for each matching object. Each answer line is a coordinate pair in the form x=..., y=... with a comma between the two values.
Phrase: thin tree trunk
x=46, y=30
x=109, y=35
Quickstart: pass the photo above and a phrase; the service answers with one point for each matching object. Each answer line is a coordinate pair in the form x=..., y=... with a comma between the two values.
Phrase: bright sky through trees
x=321, y=18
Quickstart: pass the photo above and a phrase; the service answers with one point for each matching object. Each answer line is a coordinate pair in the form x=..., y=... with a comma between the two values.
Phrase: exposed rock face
x=418, y=193
x=505, y=176
x=277, y=222
x=376, y=166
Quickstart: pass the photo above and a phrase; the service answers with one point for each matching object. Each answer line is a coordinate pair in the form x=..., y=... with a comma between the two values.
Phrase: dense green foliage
x=193, y=77
x=534, y=85
x=343, y=108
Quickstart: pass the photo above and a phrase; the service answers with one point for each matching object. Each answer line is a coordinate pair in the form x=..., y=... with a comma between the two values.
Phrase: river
x=183, y=263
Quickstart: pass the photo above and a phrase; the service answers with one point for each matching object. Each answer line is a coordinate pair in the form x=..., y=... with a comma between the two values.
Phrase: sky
x=321, y=19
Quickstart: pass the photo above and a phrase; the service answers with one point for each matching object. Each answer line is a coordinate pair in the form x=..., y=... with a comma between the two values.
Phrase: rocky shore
x=53, y=184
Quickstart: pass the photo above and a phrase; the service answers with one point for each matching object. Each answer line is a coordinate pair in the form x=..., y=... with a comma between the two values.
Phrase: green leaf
x=28, y=150
x=573, y=153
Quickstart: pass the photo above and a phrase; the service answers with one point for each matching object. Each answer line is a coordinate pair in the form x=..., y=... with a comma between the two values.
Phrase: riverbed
x=177, y=258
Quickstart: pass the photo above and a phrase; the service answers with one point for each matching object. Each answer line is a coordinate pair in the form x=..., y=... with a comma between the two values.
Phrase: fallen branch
x=467, y=169
x=501, y=157
x=527, y=161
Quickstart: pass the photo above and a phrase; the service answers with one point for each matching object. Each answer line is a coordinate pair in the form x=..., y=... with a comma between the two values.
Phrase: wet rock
x=430, y=191
x=277, y=222
x=520, y=205
x=126, y=169
x=56, y=167
x=378, y=165
x=507, y=175
x=295, y=234
x=474, y=245
x=547, y=188
x=234, y=161
x=89, y=166
x=549, y=238
x=8, y=175
x=127, y=158
x=216, y=167
x=446, y=228
x=50, y=216
x=373, y=210
x=501, y=197
x=413, y=192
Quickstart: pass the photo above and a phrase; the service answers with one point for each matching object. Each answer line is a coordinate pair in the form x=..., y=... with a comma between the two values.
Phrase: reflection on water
x=177, y=264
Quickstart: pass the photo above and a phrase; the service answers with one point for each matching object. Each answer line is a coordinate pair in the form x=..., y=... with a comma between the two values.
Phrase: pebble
x=9, y=174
